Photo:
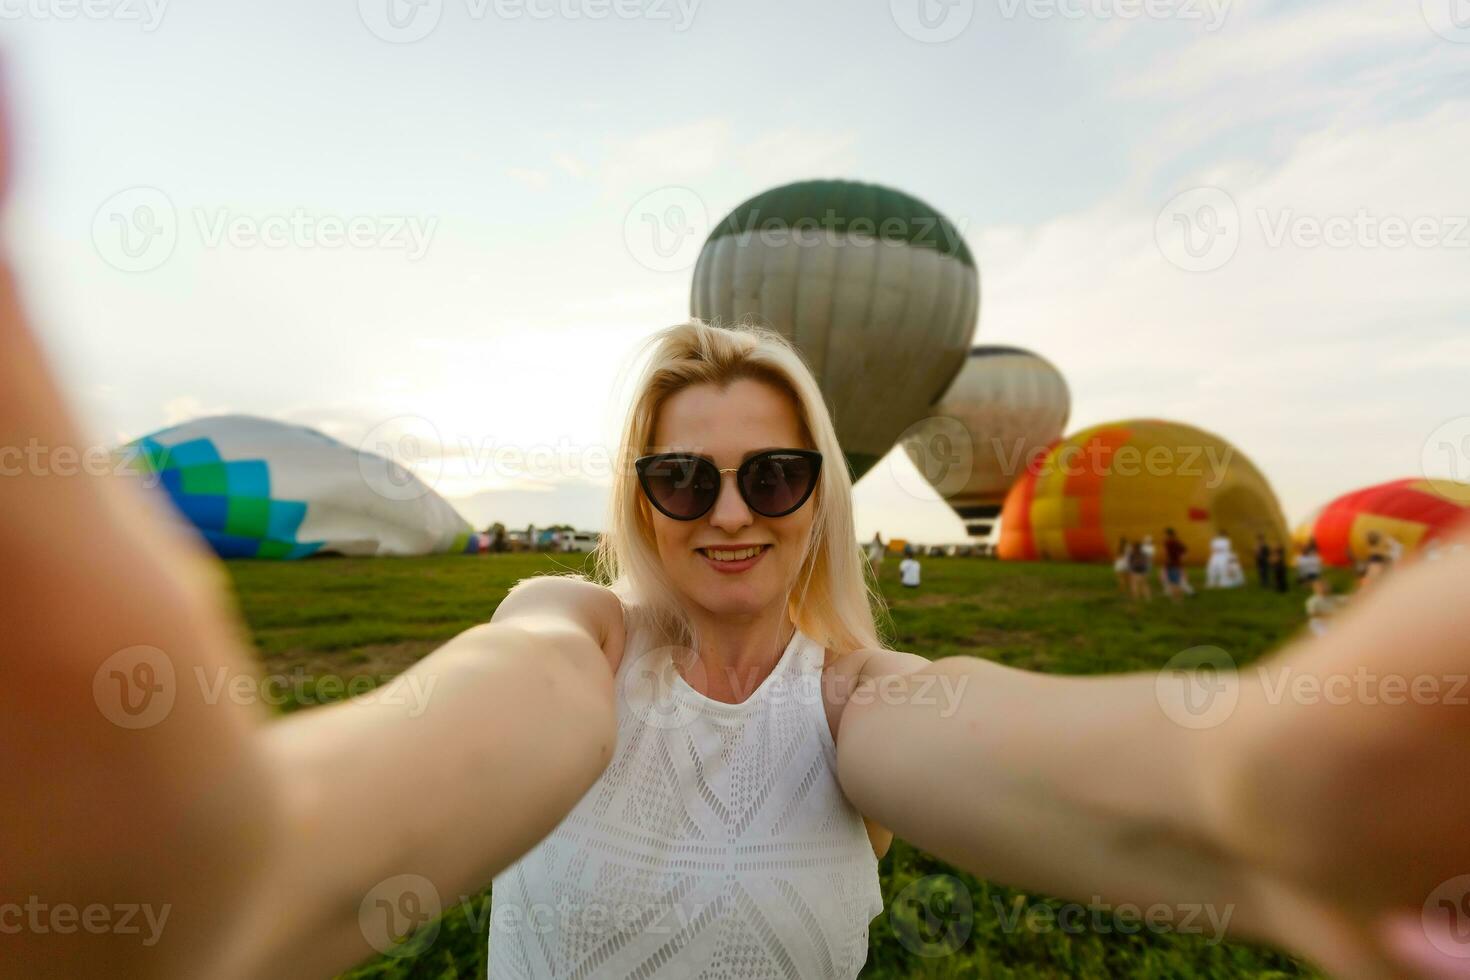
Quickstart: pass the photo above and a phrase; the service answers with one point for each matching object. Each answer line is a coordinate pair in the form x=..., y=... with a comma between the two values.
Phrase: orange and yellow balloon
x=1130, y=479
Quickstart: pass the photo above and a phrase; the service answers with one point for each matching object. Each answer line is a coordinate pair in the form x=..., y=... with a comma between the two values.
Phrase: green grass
x=370, y=618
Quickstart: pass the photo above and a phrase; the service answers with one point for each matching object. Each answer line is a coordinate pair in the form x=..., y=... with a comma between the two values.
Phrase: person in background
x=1219, y=563
x=1149, y=551
x=531, y=537
x=1278, y=567
x=1120, y=567
x=1395, y=548
x=1174, y=550
x=1263, y=561
x=1321, y=605
x=1234, y=574
x=1309, y=564
x=1378, y=558
x=908, y=569
x=875, y=551
x=1138, y=573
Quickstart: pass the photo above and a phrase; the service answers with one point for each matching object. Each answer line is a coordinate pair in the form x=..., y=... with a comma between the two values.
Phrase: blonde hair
x=833, y=599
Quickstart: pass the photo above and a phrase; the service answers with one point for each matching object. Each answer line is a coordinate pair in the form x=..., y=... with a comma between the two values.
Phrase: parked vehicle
x=578, y=540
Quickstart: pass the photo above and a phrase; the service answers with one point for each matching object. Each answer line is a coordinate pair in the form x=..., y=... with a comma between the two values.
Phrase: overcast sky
x=503, y=166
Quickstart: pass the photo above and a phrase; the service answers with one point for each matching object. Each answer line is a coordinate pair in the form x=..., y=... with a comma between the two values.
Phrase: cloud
x=1298, y=353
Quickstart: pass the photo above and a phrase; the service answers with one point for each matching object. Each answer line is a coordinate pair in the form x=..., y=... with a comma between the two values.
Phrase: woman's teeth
x=739, y=555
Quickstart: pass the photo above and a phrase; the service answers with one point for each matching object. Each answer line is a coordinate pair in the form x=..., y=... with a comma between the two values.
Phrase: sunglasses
x=773, y=483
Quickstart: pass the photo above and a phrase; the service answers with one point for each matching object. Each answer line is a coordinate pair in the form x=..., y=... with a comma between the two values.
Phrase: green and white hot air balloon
x=877, y=290
x=1005, y=405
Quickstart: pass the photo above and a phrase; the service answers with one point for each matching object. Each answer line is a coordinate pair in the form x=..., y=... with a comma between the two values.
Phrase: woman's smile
x=731, y=560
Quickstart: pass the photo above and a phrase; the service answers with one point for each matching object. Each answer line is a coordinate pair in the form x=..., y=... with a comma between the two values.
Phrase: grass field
x=370, y=618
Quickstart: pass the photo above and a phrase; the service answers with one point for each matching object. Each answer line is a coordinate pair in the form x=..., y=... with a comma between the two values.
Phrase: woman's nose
x=730, y=510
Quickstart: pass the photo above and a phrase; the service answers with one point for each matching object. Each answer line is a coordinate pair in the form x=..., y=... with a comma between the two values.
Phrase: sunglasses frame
x=642, y=463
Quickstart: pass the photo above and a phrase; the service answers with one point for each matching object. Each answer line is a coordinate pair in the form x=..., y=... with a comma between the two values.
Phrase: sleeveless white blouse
x=716, y=844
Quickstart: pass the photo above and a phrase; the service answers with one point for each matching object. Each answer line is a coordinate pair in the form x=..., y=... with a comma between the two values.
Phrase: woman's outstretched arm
x=153, y=826
x=1316, y=800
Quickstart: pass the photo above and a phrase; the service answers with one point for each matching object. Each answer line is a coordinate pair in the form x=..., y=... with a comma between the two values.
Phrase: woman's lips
x=731, y=567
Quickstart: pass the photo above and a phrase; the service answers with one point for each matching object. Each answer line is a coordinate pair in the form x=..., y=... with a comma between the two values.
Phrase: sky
x=436, y=218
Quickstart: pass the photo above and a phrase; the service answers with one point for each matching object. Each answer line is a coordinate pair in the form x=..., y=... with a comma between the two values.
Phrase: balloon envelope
x=258, y=488
x=1414, y=511
x=1132, y=479
x=877, y=290
x=1004, y=406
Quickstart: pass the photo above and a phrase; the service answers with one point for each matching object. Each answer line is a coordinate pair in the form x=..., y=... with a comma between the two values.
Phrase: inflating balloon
x=1004, y=406
x=1413, y=511
x=257, y=488
x=1131, y=479
x=877, y=290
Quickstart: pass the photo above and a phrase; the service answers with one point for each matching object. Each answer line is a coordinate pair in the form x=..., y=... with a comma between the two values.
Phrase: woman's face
x=727, y=426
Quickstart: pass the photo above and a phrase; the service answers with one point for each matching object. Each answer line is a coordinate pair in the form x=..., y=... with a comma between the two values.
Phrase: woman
x=722, y=745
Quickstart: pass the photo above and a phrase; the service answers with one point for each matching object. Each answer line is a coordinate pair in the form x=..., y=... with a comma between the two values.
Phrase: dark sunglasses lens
x=681, y=486
x=776, y=483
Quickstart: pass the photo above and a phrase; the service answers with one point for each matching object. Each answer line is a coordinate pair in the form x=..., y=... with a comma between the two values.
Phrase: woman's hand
x=234, y=846
x=1326, y=825
x=1349, y=779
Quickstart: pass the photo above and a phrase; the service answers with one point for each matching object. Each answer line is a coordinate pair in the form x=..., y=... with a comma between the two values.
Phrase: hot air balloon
x=258, y=488
x=1414, y=511
x=1131, y=479
x=877, y=290
x=1004, y=406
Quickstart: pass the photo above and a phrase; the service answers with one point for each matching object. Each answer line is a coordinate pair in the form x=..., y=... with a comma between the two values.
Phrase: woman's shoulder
x=584, y=604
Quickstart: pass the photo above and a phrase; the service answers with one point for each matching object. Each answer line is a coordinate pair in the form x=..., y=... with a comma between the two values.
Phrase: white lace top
x=717, y=843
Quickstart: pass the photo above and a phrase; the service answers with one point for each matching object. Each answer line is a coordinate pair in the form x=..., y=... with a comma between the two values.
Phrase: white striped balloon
x=1004, y=405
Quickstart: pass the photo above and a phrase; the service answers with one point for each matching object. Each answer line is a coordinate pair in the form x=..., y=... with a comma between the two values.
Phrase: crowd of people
x=1137, y=559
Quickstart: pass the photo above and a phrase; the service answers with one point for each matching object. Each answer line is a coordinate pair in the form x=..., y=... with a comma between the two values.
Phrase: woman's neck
x=736, y=655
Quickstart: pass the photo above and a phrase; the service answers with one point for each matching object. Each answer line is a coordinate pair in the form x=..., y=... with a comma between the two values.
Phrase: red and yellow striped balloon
x=1414, y=511
x=1131, y=479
